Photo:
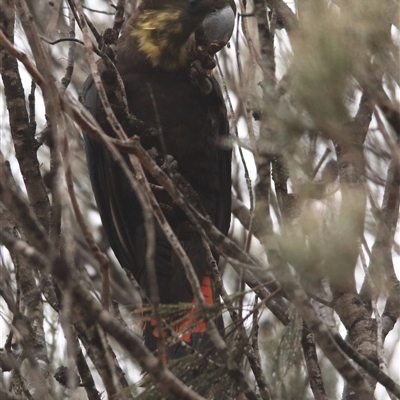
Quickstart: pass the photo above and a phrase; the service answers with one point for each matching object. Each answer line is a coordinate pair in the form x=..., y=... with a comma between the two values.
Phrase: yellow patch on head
x=155, y=32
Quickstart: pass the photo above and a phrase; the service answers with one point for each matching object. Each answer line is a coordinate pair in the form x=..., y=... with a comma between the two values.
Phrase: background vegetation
x=309, y=291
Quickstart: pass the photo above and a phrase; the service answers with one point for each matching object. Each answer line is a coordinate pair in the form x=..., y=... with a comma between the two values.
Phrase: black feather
x=192, y=125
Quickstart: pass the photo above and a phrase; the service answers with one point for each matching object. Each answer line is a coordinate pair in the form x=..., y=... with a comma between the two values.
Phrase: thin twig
x=150, y=258
x=71, y=53
x=119, y=16
x=320, y=162
x=102, y=258
x=61, y=40
x=312, y=364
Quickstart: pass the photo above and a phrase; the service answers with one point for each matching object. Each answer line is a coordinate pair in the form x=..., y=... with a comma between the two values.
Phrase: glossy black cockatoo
x=154, y=57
